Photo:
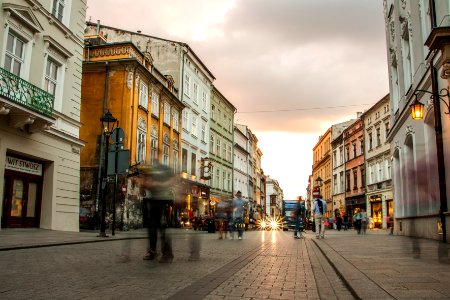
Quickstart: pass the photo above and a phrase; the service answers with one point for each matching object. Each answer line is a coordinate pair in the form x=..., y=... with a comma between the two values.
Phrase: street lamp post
x=417, y=114
x=108, y=124
x=319, y=183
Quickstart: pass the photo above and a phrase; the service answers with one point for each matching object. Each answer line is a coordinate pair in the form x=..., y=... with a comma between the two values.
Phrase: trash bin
x=211, y=226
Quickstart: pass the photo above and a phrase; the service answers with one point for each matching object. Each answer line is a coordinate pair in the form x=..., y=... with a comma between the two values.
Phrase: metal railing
x=24, y=93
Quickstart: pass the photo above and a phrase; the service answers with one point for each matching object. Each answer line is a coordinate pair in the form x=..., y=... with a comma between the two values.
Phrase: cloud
x=292, y=55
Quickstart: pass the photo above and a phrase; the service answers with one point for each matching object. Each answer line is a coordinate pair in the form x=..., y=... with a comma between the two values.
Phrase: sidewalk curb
x=352, y=277
x=67, y=243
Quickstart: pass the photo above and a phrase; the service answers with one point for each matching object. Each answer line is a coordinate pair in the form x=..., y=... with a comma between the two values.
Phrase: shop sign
x=375, y=198
x=24, y=166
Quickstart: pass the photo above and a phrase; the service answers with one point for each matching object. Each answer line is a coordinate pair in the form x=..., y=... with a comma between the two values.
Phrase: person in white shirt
x=319, y=209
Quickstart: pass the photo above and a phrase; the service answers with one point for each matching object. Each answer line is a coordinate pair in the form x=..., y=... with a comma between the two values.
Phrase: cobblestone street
x=264, y=265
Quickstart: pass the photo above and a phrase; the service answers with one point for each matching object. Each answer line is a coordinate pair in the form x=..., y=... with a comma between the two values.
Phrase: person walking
x=339, y=221
x=299, y=216
x=156, y=184
x=237, y=218
x=364, y=220
x=222, y=216
x=346, y=220
x=319, y=209
x=357, y=221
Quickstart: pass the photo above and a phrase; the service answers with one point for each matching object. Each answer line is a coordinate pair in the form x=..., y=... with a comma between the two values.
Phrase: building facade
x=221, y=150
x=354, y=167
x=338, y=165
x=119, y=78
x=40, y=71
x=379, y=201
x=260, y=182
x=322, y=167
x=418, y=45
x=193, y=80
x=274, y=198
x=240, y=161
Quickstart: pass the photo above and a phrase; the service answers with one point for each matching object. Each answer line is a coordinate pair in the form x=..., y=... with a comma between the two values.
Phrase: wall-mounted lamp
x=417, y=107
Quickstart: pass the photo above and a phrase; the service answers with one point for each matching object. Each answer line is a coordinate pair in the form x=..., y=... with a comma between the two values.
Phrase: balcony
x=27, y=105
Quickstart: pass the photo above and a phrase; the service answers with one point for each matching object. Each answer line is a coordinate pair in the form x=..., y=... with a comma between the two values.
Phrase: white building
x=418, y=47
x=40, y=71
x=379, y=200
x=274, y=198
x=241, y=161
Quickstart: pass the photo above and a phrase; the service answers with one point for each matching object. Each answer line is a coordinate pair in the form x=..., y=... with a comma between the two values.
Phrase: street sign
x=315, y=193
x=123, y=162
x=118, y=135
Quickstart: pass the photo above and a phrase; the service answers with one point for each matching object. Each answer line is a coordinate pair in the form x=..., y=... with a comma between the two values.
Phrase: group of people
x=156, y=183
x=232, y=215
x=359, y=219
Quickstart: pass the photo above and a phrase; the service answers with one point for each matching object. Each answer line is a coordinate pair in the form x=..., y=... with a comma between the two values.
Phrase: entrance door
x=22, y=200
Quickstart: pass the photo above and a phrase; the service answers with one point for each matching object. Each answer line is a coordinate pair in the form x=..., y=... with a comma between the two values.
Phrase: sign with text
x=24, y=166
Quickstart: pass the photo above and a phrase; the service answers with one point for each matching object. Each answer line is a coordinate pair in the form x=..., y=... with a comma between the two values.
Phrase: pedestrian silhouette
x=157, y=187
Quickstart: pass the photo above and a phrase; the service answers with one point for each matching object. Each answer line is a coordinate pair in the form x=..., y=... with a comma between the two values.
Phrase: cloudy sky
x=292, y=68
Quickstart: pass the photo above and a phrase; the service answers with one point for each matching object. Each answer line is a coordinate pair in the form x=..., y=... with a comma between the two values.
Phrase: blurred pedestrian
x=222, y=216
x=299, y=216
x=338, y=221
x=364, y=220
x=319, y=209
x=346, y=221
x=237, y=219
x=156, y=184
x=357, y=221
x=246, y=222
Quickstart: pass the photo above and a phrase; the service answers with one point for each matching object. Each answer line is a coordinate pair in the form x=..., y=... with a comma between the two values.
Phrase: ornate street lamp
x=108, y=125
x=417, y=107
x=417, y=114
x=417, y=110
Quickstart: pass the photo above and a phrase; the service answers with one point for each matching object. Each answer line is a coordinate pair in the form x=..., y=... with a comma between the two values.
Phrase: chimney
x=359, y=114
x=98, y=27
x=139, y=31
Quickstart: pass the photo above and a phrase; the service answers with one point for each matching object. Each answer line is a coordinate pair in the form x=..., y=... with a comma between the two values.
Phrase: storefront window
x=17, y=202
x=376, y=214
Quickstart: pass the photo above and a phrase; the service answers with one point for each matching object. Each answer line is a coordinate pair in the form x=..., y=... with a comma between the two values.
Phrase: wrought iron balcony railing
x=24, y=93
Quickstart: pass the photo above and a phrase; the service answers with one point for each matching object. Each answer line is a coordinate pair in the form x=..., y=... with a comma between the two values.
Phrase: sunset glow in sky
x=292, y=68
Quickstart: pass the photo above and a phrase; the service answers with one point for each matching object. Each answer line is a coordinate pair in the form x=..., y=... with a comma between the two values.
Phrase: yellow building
x=119, y=78
x=322, y=167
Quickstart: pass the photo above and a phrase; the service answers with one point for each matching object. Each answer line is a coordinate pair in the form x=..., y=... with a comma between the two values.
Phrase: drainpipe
x=102, y=141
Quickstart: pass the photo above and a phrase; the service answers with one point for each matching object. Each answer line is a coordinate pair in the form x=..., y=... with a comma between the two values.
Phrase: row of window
x=141, y=149
x=143, y=102
x=406, y=55
x=220, y=147
x=378, y=136
x=222, y=119
x=192, y=126
x=380, y=171
x=16, y=62
x=222, y=179
x=195, y=92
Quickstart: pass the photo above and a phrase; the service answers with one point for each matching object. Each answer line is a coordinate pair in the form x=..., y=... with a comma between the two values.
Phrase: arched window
x=154, y=145
x=141, y=138
x=166, y=150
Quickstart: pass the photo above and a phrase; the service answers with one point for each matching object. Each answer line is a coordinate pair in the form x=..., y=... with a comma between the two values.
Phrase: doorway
x=22, y=196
